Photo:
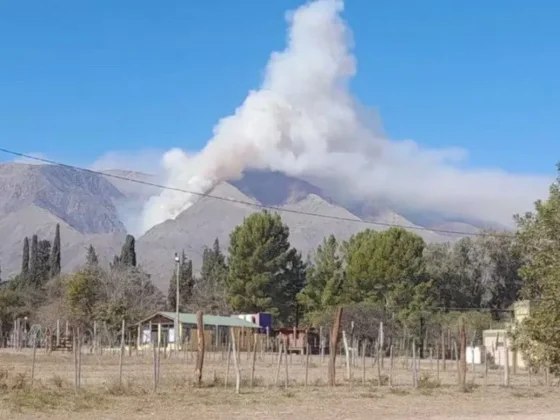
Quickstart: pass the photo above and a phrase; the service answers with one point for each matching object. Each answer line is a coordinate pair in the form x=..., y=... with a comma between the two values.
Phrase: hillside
x=100, y=209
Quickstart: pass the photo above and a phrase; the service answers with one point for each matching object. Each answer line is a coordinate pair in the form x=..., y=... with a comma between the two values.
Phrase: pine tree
x=186, y=285
x=261, y=274
x=25, y=258
x=55, y=263
x=324, y=285
x=91, y=257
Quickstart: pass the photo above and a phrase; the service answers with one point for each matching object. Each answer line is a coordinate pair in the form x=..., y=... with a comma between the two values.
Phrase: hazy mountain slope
x=92, y=208
x=83, y=200
x=34, y=198
x=192, y=230
x=31, y=220
x=275, y=188
x=210, y=218
x=307, y=231
x=135, y=191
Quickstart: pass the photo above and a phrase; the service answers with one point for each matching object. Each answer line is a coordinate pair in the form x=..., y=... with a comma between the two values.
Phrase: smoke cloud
x=304, y=122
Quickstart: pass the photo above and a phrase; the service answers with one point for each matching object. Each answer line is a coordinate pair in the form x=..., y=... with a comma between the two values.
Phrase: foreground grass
x=17, y=395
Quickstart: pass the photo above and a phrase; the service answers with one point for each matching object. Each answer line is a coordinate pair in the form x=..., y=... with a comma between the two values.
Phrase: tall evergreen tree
x=210, y=291
x=25, y=257
x=324, y=286
x=260, y=266
x=33, y=273
x=55, y=263
x=43, y=260
x=186, y=284
x=128, y=252
x=91, y=256
x=387, y=269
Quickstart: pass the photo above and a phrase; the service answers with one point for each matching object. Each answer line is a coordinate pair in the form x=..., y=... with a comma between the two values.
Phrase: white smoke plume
x=304, y=122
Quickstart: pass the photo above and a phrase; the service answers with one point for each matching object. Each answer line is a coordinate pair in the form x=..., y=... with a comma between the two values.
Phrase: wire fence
x=101, y=356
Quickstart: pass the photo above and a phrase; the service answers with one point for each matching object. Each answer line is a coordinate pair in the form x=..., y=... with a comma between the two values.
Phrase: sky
x=78, y=79
x=123, y=81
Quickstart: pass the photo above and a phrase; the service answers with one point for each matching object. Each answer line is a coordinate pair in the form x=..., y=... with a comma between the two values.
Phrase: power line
x=248, y=203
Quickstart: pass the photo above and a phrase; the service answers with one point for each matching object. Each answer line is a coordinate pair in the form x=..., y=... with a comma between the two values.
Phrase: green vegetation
x=391, y=276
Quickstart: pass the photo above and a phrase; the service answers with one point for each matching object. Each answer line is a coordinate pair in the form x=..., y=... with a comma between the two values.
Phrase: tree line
x=392, y=273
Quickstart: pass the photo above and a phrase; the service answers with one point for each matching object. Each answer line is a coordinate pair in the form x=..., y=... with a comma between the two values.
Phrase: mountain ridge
x=98, y=208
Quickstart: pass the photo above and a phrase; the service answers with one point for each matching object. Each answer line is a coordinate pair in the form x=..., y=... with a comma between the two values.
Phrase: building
x=298, y=340
x=496, y=341
x=159, y=328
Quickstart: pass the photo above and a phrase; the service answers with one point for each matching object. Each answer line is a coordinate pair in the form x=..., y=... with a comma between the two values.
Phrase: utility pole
x=177, y=323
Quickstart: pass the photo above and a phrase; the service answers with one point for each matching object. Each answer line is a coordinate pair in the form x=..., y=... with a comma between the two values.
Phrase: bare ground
x=53, y=397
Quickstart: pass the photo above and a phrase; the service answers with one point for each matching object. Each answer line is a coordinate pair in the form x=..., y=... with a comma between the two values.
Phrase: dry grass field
x=53, y=396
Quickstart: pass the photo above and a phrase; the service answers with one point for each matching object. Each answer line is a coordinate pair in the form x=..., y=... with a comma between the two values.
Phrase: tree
x=210, y=292
x=539, y=238
x=42, y=262
x=127, y=292
x=25, y=257
x=261, y=266
x=33, y=273
x=324, y=286
x=91, y=257
x=475, y=272
x=39, y=266
x=82, y=295
x=388, y=268
x=186, y=285
x=128, y=253
x=12, y=306
x=296, y=274
x=55, y=263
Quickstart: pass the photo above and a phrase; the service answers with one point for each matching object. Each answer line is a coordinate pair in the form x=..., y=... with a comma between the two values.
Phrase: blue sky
x=80, y=78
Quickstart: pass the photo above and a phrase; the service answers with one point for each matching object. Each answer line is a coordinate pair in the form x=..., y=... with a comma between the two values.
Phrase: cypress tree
x=128, y=252
x=43, y=260
x=91, y=256
x=33, y=271
x=186, y=285
x=55, y=264
x=25, y=258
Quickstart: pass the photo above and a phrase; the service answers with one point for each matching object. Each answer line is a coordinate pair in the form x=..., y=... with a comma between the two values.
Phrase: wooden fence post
x=414, y=377
x=121, y=357
x=33, y=360
x=391, y=366
x=463, y=358
x=200, y=351
x=228, y=363
x=255, y=337
x=333, y=345
x=506, y=366
x=347, y=355
x=235, y=363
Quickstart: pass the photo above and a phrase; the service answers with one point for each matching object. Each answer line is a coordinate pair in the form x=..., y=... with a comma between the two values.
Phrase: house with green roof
x=159, y=329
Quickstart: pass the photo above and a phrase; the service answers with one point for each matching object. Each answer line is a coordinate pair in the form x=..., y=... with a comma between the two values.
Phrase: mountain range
x=96, y=208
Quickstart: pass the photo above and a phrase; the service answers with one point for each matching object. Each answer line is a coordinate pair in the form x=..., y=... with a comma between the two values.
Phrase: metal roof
x=222, y=321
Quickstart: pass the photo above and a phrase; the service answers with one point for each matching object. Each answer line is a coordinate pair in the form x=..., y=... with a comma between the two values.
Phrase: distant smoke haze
x=304, y=122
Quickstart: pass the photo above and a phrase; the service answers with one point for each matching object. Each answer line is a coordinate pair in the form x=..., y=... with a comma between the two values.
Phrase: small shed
x=297, y=340
x=160, y=328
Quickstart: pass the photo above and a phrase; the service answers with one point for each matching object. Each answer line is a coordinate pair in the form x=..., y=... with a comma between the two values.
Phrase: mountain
x=275, y=189
x=99, y=209
x=35, y=198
